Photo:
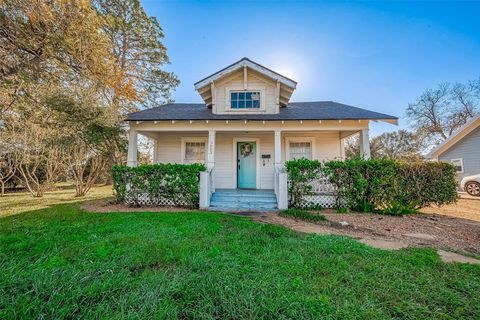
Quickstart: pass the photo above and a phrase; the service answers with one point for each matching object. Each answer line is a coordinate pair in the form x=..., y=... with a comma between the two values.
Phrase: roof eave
x=249, y=64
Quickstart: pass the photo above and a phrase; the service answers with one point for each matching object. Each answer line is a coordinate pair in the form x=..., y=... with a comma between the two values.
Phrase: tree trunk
x=2, y=192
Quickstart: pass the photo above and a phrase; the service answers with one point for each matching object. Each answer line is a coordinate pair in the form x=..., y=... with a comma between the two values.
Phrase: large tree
x=401, y=145
x=139, y=53
x=49, y=43
x=440, y=112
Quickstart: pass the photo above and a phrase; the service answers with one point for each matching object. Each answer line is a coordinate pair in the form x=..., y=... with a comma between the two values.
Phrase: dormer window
x=245, y=99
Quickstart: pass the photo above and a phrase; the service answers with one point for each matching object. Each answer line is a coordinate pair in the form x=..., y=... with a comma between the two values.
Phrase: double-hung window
x=299, y=147
x=300, y=150
x=245, y=100
x=458, y=164
x=193, y=150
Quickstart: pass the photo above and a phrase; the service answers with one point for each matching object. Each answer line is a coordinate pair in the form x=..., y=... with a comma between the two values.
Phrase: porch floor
x=241, y=200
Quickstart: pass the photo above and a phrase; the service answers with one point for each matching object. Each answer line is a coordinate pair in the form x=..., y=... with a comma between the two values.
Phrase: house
x=462, y=149
x=245, y=130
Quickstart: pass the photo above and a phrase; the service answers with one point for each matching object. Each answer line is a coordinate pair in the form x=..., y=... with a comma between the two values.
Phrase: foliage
x=139, y=54
x=379, y=185
x=440, y=112
x=300, y=173
x=63, y=262
x=70, y=70
x=176, y=182
x=401, y=145
x=302, y=215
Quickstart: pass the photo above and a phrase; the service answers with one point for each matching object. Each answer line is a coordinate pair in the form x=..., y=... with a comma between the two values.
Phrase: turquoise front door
x=246, y=165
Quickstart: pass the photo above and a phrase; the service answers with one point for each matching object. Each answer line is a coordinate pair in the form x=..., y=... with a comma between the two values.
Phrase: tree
x=139, y=54
x=438, y=113
x=401, y=144
x=40, y=161
x=8, y=159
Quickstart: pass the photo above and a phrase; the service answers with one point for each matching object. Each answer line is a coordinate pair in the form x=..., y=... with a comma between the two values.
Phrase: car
x=471, y=184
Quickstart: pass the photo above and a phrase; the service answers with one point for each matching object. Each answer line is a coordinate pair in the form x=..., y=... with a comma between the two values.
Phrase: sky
x=374, y=55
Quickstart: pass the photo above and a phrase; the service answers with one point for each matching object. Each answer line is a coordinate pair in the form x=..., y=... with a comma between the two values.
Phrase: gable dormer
x=246, y=87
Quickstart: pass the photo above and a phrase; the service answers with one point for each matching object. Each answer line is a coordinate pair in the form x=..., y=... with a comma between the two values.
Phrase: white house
x=245, y=130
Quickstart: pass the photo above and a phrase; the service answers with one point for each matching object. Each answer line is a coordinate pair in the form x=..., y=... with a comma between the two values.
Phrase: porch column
x=211, y=149
x=278, y=149
x=364, y=144
x=132, y=147
x=155, y=151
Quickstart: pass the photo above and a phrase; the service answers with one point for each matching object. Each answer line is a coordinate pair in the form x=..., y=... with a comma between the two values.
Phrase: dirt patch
x=420, y=230
x=104, y=206
x=467, y=207
x=447, y=256
x=384, y=244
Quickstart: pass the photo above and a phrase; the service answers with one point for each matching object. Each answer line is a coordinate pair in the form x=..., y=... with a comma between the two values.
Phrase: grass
x=14, y=203
x=61, y=262
x=302, y=215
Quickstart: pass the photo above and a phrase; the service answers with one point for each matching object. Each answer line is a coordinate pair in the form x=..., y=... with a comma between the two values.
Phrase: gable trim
x=246, y=63
x=471, y=125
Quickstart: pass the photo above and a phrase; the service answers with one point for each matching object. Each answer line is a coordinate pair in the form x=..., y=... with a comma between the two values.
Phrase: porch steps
x=240, y=200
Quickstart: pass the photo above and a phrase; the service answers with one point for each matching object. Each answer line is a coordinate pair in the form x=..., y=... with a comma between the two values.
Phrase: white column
x=155, y=150
x=282, y=196
x=211, y=149
x=132, y=147
x=364, y=144
x=278, y=149
x=342, y=148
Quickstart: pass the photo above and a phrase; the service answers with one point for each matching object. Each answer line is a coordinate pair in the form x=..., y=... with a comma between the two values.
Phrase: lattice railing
x=143, y=199
x=323, y=194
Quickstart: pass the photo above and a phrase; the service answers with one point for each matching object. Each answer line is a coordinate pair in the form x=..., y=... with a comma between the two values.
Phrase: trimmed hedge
x=378, y=185
x=178, y=183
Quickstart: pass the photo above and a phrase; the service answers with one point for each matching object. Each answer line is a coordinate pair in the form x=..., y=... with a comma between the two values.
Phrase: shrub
x=300, y=173
x=378, y=185
x=302, y=215
x=178, y=183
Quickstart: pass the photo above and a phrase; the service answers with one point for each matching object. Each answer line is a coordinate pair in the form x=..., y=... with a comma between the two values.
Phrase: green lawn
x=60, y=262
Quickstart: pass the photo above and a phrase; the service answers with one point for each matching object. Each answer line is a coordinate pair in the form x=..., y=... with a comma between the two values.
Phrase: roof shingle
x=319, y=110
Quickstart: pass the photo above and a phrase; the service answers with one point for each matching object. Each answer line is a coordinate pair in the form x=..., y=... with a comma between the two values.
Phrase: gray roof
x=319, y=110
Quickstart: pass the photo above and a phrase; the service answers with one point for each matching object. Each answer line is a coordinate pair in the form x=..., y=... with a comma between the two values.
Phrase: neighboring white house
x=462, y=149
x=247, y=127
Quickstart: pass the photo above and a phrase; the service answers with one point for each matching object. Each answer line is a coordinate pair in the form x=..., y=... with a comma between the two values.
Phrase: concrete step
x=243, y=200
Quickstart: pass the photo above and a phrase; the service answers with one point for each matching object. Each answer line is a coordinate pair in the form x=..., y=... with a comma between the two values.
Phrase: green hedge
x=377, y=185
x=178, y=183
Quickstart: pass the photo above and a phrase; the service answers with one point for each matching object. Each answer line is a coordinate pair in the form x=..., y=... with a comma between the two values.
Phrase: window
x=245, y=100
x=193, y=151
x=458, y=164
x=300, y=150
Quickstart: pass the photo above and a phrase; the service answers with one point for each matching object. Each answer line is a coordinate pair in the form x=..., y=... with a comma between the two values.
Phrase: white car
x=471, y=185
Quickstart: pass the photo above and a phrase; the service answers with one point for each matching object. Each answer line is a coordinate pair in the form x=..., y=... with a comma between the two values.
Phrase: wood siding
x=255, y=82
x=327, y=147
x=468, y=149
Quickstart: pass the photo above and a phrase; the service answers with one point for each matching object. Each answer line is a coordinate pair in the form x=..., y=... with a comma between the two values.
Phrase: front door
x=246, y=165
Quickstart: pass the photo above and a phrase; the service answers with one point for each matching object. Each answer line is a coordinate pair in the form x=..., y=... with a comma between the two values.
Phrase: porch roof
x=318, y=110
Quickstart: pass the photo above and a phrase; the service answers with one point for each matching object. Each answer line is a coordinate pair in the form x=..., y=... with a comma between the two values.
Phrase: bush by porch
x=162, y=183
x=377, y=185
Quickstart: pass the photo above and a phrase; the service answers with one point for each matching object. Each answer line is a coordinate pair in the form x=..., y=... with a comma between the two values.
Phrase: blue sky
x=375, y=55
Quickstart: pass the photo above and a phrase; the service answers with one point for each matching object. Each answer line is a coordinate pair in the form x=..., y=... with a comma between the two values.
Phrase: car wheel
x=473, y=188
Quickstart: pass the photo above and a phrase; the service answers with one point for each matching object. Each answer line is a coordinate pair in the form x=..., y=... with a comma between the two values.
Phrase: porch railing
x=323, y=193
x=207, y=187
x=281, y=188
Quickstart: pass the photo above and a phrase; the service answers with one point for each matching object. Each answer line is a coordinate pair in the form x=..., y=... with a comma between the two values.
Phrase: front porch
x=270, y=143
